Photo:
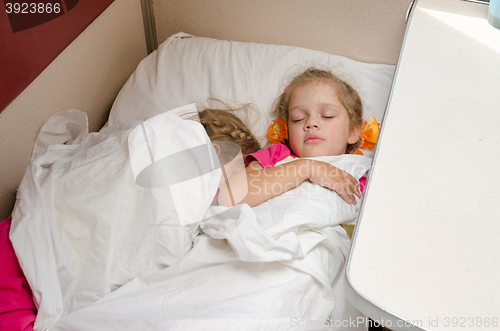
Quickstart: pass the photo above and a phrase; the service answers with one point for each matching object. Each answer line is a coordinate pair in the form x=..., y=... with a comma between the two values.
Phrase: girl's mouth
x=313, y=140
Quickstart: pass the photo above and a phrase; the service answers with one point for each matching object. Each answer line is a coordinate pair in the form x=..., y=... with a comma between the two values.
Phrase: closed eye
x=298, y=120
x=329, y=116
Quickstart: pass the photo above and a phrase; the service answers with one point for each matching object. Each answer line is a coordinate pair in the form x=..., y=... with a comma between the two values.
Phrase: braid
x=221, y=125
x=222, y=129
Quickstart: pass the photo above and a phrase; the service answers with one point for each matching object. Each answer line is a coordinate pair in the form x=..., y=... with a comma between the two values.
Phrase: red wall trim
x=31, y=38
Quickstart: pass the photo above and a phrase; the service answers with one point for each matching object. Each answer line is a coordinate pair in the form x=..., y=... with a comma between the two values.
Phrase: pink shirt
x=268, y=157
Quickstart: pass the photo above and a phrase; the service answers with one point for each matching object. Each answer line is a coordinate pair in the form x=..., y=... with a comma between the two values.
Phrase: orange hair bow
x=277, y=132
x=369, y=135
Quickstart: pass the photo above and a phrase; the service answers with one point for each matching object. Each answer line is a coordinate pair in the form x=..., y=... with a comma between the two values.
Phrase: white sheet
x=100, y=252
x=211, y=289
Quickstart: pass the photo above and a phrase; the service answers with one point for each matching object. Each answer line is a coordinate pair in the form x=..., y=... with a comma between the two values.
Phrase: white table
x=427, y=246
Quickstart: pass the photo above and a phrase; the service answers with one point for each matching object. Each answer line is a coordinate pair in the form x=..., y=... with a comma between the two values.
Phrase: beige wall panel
x=86, y=76
x=364, y=30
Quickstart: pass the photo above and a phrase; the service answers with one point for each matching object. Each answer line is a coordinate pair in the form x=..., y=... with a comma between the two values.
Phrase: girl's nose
x=312, y=123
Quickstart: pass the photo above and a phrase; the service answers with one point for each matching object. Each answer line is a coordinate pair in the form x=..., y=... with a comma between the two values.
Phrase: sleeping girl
x=321, y=115
x=300, y=228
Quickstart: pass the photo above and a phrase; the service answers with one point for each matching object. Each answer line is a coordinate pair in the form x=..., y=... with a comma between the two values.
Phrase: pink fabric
x=362, y=184
x=17, y=309
x=268, y=157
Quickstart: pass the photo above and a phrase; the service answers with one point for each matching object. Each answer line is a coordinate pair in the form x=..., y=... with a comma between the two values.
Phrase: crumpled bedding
x=101, y=252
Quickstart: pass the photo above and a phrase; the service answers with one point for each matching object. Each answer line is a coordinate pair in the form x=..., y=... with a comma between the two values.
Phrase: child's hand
x=335, y=179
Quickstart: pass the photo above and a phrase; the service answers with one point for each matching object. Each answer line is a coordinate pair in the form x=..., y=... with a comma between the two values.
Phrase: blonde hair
x=222, y=125
x=347, y=95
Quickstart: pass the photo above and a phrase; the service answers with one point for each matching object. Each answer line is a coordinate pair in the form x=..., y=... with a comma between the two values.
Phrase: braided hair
x=222, y=125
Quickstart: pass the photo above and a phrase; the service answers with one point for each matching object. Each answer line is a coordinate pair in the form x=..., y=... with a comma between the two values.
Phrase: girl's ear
x=354, y=134
x=217, y=149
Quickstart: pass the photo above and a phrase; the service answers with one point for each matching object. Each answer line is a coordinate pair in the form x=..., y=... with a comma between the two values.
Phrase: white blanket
x=101, y=252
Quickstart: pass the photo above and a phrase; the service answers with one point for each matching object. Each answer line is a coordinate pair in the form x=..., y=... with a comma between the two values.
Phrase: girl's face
x=318, y=123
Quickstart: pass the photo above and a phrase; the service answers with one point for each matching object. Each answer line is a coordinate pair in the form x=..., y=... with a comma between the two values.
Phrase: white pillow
x=187, y=69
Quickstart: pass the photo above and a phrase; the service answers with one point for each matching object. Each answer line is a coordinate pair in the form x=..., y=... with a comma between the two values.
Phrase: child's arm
x=264, y=184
